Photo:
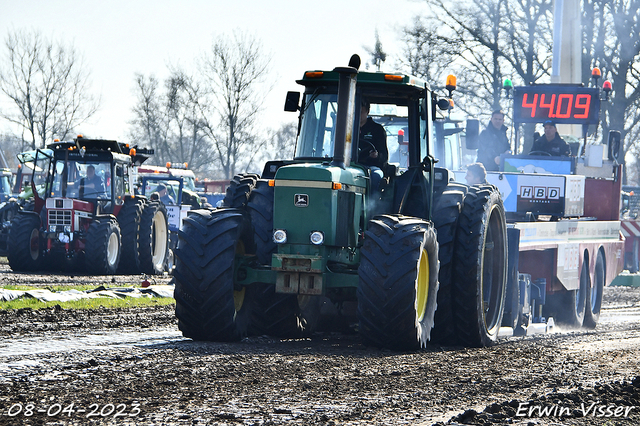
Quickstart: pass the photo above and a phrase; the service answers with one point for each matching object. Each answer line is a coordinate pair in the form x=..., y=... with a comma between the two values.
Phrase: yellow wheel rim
x=238, y=298
x=422, y=285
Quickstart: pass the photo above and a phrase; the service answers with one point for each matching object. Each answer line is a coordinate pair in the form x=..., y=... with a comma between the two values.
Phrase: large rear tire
x=102, y=249
x=154, y=238
x=239, y=189
x=24, y=243
x=208, y=306
x=129, y=221
x=594, y=295
x=480, y=268
x=445, y=218
x=398, y=282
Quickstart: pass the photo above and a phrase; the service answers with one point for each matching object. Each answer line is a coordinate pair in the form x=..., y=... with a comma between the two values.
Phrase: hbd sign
x=541, y=194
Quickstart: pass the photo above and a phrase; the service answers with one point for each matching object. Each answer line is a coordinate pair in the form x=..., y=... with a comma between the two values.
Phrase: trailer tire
x=398, y=282
x=239, y=189
x=480, y=268
x=129, y=221
x=154, y=238
x=445, y=219
x=208, y=307
x=570, y=305
x=24, y=243
x=594, y=296
x=102, y=249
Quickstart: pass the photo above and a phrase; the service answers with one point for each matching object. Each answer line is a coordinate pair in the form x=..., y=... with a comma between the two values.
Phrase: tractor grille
x=59, y=217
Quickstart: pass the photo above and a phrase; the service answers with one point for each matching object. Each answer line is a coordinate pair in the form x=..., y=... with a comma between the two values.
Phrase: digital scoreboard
x=562, y=103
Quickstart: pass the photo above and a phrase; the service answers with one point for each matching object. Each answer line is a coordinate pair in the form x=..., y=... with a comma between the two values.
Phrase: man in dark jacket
x=372, y=145
x=493, y=141
x=551, y=142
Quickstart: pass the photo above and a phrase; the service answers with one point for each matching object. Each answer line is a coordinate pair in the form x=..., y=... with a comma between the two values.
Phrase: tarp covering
x=70, y=295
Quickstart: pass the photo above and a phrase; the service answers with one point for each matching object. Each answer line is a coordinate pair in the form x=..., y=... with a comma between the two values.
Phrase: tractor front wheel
x=398, y=282
x=208, y=305
x=24, y=243
x=102, y=249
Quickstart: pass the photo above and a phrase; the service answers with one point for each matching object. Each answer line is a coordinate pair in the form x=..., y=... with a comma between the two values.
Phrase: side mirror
x=292, y=102
x=614, y=144
x=443, y=104
x=472, y=133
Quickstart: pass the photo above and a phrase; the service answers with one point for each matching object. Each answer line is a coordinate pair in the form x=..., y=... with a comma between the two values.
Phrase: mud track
x=62, y=367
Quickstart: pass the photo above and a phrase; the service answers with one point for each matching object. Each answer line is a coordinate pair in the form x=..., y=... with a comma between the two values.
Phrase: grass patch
x=128, y=302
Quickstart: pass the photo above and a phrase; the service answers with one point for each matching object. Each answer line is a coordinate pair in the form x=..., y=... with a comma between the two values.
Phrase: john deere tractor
x=313, y=231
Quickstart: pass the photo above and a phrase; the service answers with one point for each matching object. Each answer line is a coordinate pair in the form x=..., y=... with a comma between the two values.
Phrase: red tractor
x=85, y=213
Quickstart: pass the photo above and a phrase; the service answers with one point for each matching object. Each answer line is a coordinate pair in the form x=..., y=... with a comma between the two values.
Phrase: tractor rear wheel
x=24, y=243
x=398, y=282
x=129, y=221
x=237, y=194
x=102, y=248
x=445, y=218
x=480, y=268
x=154, y=238
x=594, y=295
x=208, y=306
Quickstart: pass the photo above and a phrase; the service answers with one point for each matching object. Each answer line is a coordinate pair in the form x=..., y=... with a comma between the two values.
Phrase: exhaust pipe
x=346, y=112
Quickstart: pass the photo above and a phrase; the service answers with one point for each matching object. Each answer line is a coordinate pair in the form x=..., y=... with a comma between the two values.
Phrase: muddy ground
x=62, y=367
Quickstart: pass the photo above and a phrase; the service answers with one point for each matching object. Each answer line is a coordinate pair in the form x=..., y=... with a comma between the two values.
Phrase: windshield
x=318, y=126
x=165, y=190
x=83, y=180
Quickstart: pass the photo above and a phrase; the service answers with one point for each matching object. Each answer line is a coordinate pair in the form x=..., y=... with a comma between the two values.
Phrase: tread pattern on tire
x=19, y=243
x=237, y=194
x=129, y=221
x=389, y=263
x=446, y=212
x=97, y=246
x=474, y=225
x=592, y=313
x=147, y=247
x=204, y=289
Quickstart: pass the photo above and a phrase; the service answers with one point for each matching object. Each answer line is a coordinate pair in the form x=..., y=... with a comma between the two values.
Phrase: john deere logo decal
x=301, y=200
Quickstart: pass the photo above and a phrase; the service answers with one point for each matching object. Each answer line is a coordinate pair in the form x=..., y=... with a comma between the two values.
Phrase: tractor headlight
x=67, y=229
x=316, y=237
x=279, y=236
x=52, y=228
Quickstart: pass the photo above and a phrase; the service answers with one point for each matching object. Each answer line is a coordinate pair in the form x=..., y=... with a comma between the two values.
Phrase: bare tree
x=236, y=69
x=148, y=123
x=48, y=86
x=378, y=56
x=611, y=31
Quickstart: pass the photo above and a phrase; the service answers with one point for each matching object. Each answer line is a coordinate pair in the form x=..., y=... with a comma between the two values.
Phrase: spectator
x=476, y=174
x=493, y=141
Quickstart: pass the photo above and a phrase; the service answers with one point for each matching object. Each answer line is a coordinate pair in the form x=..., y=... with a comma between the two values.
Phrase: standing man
x=493, y=141
x=551, y=142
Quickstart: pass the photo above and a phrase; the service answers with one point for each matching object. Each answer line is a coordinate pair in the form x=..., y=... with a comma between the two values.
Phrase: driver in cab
x=372, y=145
x=551, y=143
x=92, y=185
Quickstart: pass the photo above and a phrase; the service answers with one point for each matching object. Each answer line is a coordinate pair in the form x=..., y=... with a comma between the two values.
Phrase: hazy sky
x=118, y=38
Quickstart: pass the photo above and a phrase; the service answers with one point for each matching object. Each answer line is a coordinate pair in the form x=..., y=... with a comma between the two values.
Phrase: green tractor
x=419, y=256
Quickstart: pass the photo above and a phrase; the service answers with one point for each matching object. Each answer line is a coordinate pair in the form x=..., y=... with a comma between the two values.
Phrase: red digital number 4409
x=565, y=105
